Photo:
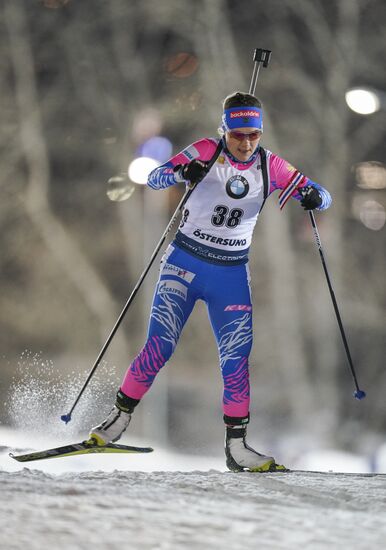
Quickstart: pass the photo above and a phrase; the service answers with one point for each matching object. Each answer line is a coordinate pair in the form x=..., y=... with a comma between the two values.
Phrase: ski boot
x=112, y=428
x=242, y=458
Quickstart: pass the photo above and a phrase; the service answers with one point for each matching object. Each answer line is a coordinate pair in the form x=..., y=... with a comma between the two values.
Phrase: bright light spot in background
x=363, y=101
x=120, y=188
x=158, y=148
x=372, y=215
x=370, y=175
x=140, y=168
x=370, y=212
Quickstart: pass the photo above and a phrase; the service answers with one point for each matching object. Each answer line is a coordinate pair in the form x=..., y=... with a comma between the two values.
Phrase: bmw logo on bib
x=237, y=187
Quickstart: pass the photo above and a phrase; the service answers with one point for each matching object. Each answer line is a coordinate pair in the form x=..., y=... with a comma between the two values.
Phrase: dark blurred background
x=84, y=85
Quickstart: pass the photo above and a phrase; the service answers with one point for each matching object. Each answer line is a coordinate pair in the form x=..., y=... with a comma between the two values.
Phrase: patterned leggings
x=185, y=278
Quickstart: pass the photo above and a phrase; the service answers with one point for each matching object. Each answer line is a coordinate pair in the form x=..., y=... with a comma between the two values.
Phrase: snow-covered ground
x=163, y=501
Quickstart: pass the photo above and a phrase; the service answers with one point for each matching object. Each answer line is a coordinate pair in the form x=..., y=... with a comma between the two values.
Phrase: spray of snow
x=40, y=394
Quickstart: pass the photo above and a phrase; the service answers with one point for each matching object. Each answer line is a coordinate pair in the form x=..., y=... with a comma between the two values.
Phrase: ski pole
x=358, y=394
x=67, y=417
x=189, y=190
x=259, y=57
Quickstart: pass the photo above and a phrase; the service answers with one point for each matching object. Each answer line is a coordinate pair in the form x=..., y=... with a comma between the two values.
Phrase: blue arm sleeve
x=162, y=177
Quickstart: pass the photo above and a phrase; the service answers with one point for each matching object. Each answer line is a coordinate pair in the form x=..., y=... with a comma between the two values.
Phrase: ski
x=79, y=449
x=331, y=473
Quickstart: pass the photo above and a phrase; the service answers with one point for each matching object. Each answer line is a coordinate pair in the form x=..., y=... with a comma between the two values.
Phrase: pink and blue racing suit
x=208, y=260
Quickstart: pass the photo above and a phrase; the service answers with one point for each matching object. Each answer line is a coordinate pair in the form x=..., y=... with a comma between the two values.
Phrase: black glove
x=193, y=172
x=310, y=197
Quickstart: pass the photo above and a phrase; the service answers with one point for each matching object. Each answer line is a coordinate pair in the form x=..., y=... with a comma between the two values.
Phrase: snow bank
x=102, y=502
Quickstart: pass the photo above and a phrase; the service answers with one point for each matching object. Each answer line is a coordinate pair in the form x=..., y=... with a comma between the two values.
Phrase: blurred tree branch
x=54, y=234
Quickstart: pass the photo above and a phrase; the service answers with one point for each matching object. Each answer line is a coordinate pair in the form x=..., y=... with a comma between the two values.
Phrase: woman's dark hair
x=240, y=99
